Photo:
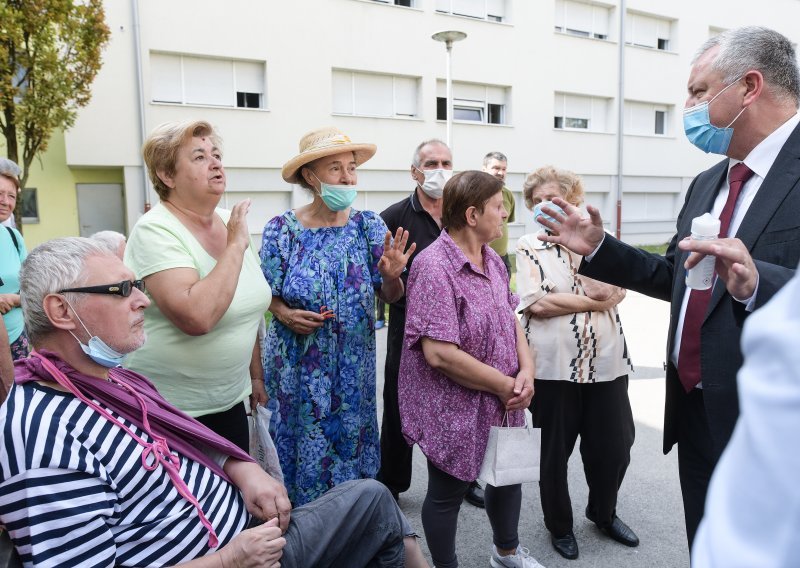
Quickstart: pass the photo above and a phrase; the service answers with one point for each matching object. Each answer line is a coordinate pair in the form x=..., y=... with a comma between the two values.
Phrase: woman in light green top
x=208, y=290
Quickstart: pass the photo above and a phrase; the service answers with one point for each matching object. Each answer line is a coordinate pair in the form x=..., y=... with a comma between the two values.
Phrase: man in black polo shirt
x=421, y=215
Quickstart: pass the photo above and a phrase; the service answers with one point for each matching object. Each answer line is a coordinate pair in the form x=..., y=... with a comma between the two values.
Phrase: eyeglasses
x=123, y=288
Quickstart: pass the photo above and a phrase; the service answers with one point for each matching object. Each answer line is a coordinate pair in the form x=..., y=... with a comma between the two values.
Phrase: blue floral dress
x=322, y=385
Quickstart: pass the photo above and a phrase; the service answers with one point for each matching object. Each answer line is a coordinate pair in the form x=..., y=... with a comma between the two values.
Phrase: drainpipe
x=146, y=190
x=620, y=116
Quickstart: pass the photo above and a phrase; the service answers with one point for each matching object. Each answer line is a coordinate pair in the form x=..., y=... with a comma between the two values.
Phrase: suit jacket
x=771, y=232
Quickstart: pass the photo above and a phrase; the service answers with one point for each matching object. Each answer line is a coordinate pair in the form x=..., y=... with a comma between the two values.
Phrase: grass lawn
x=658, y=249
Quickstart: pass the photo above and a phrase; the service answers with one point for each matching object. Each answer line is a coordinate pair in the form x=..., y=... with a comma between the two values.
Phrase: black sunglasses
x=123, y=288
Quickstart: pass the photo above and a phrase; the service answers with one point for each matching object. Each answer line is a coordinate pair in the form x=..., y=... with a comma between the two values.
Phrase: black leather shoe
x=474, y=495
x=620, y=532
x=565, y=545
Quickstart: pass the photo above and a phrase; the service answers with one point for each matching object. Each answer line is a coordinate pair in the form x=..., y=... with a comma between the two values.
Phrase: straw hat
x=324, y=142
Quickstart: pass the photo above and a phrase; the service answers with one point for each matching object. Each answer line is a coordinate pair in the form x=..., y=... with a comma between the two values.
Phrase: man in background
x=421, y=215
x=496, y=163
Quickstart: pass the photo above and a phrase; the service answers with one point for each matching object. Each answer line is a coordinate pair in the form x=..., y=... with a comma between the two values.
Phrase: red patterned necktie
x=689, y=355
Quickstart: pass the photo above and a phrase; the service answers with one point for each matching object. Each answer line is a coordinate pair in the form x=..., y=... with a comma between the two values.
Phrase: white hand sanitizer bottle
x=701, y=276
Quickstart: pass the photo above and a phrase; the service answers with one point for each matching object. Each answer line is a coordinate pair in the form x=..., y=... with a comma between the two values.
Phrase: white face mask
x=434, y=182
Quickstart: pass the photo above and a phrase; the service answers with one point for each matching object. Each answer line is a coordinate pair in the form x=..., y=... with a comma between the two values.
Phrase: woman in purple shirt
x=465, y=363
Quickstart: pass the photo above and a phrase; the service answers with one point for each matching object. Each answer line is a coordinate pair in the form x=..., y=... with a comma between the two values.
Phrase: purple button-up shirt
x=450, y=299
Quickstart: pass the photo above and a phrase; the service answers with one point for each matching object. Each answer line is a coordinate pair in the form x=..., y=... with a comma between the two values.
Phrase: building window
x=373, y=94
x=185, y=79
x=579, y=112
x=582, y=19
x=473, y=103
x=648, y=31
x=646, y=119
x=491, y=10
x=661, y=118
x=30, y=205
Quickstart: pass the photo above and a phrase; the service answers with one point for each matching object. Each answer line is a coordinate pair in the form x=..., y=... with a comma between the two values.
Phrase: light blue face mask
x=97, y=349
x=336, y=197
x=700, y=132
x=537, y=212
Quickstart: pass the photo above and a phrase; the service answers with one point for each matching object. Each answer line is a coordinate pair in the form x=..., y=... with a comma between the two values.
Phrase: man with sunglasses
x=99, y=469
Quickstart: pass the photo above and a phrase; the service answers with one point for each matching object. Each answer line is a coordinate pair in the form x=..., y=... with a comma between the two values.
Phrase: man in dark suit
x=747, y=81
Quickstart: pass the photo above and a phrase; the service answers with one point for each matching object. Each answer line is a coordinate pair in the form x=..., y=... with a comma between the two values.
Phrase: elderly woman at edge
x=209, y=294
x=325, y=262
x=465, y=364
x=581, y=380
x=12, y=253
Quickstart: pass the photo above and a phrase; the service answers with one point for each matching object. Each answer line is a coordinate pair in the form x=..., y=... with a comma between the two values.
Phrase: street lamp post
x=448, y=37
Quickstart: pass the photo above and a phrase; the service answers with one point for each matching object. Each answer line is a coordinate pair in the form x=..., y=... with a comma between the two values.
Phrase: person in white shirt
x=753, y=507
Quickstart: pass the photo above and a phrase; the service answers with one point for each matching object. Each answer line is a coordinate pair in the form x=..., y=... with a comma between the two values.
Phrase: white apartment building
x=535, y=79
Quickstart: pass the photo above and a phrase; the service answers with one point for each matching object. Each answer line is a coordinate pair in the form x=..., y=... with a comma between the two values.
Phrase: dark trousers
x=601, y=414
x=696, y=459
x=231, y=424
x=380, y=309
x=395, y=471
x=440, y=515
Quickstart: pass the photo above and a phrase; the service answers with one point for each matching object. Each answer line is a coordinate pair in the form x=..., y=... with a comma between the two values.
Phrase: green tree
x=49, y=55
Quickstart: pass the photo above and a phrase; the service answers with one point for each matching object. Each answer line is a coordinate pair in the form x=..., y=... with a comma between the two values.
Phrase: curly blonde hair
x=569, y=183
x=160, y=150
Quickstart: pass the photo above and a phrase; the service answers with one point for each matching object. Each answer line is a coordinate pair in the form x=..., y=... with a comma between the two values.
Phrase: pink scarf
x=132, y=396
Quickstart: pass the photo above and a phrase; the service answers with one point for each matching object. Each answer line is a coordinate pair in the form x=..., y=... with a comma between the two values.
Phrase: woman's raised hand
x=395, y=256
x=238, y=232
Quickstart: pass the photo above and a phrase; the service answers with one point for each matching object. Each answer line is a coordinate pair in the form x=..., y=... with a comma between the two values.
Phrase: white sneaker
x=522, y=559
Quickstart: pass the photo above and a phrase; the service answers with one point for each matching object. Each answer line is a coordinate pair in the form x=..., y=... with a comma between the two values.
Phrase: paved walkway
x=649, y=499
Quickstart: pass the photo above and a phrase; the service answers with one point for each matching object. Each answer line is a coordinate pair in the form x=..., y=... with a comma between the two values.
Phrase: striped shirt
x=74, y=492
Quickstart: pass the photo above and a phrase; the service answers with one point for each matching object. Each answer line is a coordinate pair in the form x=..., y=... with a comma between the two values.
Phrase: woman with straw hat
x=325, y=262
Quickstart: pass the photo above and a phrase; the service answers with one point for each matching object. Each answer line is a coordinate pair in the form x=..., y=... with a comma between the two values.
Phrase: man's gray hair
x=416, y=160
x=50, y=267
x=759, y=48
x=499, y=156
x=109, y=239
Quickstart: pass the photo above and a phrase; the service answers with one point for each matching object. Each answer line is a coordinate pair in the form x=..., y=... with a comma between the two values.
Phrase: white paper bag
x=262, y=448
x=512, y=455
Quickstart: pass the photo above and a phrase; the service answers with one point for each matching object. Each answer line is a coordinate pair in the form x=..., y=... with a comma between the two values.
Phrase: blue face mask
x=700, y=132
x=336, y=197
x=97, y=349
x=537, y=212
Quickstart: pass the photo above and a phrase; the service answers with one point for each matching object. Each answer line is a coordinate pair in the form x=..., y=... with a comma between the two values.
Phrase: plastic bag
x=262, y=448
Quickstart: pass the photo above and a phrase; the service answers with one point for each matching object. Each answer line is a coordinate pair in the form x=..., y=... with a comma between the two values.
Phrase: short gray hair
x=415, y=160
x=50, y=267
x=759, y=48
x=499, y=156
x=109, y=239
